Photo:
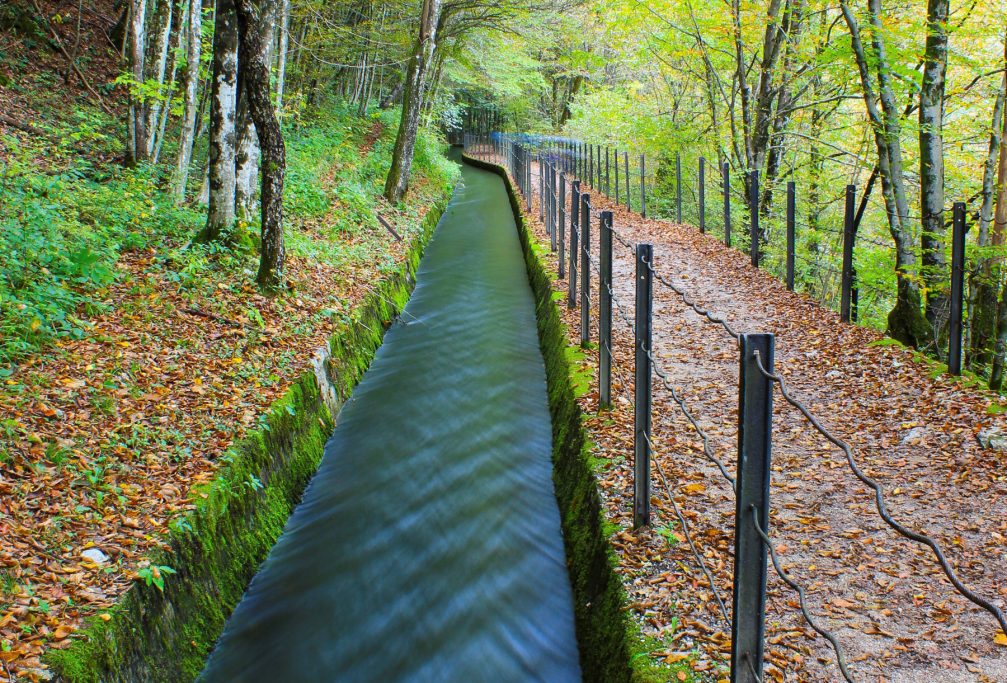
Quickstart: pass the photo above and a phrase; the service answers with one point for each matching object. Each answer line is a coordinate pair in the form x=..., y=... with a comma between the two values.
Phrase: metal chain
x=688, y=302
x=707, y=449
x=840, y=658
x=688, y=536
x=879, y=500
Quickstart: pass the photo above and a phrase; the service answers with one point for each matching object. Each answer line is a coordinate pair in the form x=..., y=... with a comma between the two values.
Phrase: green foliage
x=61, y=234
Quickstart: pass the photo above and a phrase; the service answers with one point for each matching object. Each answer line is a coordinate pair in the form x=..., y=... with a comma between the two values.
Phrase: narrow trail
x=895, y=614
x=428, y=545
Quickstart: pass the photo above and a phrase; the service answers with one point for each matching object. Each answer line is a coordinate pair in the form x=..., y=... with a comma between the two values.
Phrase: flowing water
x=428, y=544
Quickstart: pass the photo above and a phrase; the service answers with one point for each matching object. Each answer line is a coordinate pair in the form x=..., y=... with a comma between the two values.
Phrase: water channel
x=427, y=546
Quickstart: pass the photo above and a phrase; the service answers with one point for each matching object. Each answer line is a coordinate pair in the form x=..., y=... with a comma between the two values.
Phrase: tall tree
x=137, y=149
x=412, y=104
x=906, y=321
x=254, y=58
x=931, y=119
x=194, y=46
x=220, y=225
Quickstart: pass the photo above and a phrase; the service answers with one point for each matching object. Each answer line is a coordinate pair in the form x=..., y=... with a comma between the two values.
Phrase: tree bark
x=194, y=48
x=931, y=119
x=136, y=149
x=163, y=14
x=253, y=20
x=982, y=321
x=412, y=105
x=906, y=321
x=223, y=106
x=282, y=48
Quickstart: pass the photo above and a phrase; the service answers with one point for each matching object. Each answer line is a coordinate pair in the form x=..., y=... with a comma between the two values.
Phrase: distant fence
x=629, y=179
x=566, y=211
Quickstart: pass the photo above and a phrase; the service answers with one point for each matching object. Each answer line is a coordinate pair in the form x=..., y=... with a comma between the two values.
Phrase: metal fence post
x=615, y=156
x=753, y=211
x=642, y=390
x=727, y=203
x=553, y=189
x=598, y=187
x=678, y=185
x=571, y=301
x=702, y=194
x=605, y=311
x=848, y=237
x=585, y=270
x=541, y=189
x=629, y=201
x=643, y=185
x=958, y=231
x=562, y=224
x=590, y=164
x=791, y=232
x=608, y=184
x=755, y=416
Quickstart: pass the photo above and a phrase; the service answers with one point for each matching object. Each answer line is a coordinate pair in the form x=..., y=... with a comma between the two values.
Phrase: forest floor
x=917, y=431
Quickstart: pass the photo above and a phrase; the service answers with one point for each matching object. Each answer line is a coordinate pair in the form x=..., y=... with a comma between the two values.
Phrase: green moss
x=155, y=635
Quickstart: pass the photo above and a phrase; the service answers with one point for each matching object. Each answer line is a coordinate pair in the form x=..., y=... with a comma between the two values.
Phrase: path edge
x=155, y=635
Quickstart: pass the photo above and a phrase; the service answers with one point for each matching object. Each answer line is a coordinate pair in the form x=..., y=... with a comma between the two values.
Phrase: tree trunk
x=282, y=48
x=906, y=321
x=248, y=154
x=412, y=105
x=136, y=149
x=255, y=60
x=223, y=106
x=162, y=41
x=194, y=47
x=931, y=118
x=984, y=282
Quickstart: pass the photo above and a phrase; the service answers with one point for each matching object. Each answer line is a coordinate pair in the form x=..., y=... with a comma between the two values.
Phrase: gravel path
x=914, y=430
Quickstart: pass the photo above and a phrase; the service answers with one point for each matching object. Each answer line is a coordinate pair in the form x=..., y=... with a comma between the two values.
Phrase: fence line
x=751, y=486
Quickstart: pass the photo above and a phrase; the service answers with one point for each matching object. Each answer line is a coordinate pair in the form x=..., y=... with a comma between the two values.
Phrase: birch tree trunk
x=906, y=321
x=248, y=154
x=194, y=47
x=412, y=104
x=223, y=107
x=931, y=118
x=136, y=149
x=163, y=14
x=255, y=60
x=282, y=48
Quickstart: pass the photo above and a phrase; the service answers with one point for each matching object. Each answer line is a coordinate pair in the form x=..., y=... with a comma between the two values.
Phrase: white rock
x=95, y=556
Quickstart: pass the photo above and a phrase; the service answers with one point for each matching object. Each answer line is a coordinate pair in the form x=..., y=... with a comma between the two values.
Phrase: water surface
x=428, y=544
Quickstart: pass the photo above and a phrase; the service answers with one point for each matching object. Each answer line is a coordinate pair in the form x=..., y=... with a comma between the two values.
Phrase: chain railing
x=567, y=218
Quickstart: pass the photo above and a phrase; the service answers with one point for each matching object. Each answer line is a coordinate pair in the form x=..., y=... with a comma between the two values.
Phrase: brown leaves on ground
x=917, y=432
x=103, y=439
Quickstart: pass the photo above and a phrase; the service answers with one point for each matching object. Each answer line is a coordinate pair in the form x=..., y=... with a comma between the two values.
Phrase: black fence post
x=571, y=301
x=791, y=232
x=753, y=211
x=678, y=185
x=848, y=238
x=608, y=176
x=562, y=225
x=755, y=417
x=702, y=194
x=643, y=185
x=585, y=270
x=599, y=187
x=642, y=391
x=541, y=189
x=958, y=231
x=629, y=201
x=605, y=311
x=727, y=203
x=615, y=157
